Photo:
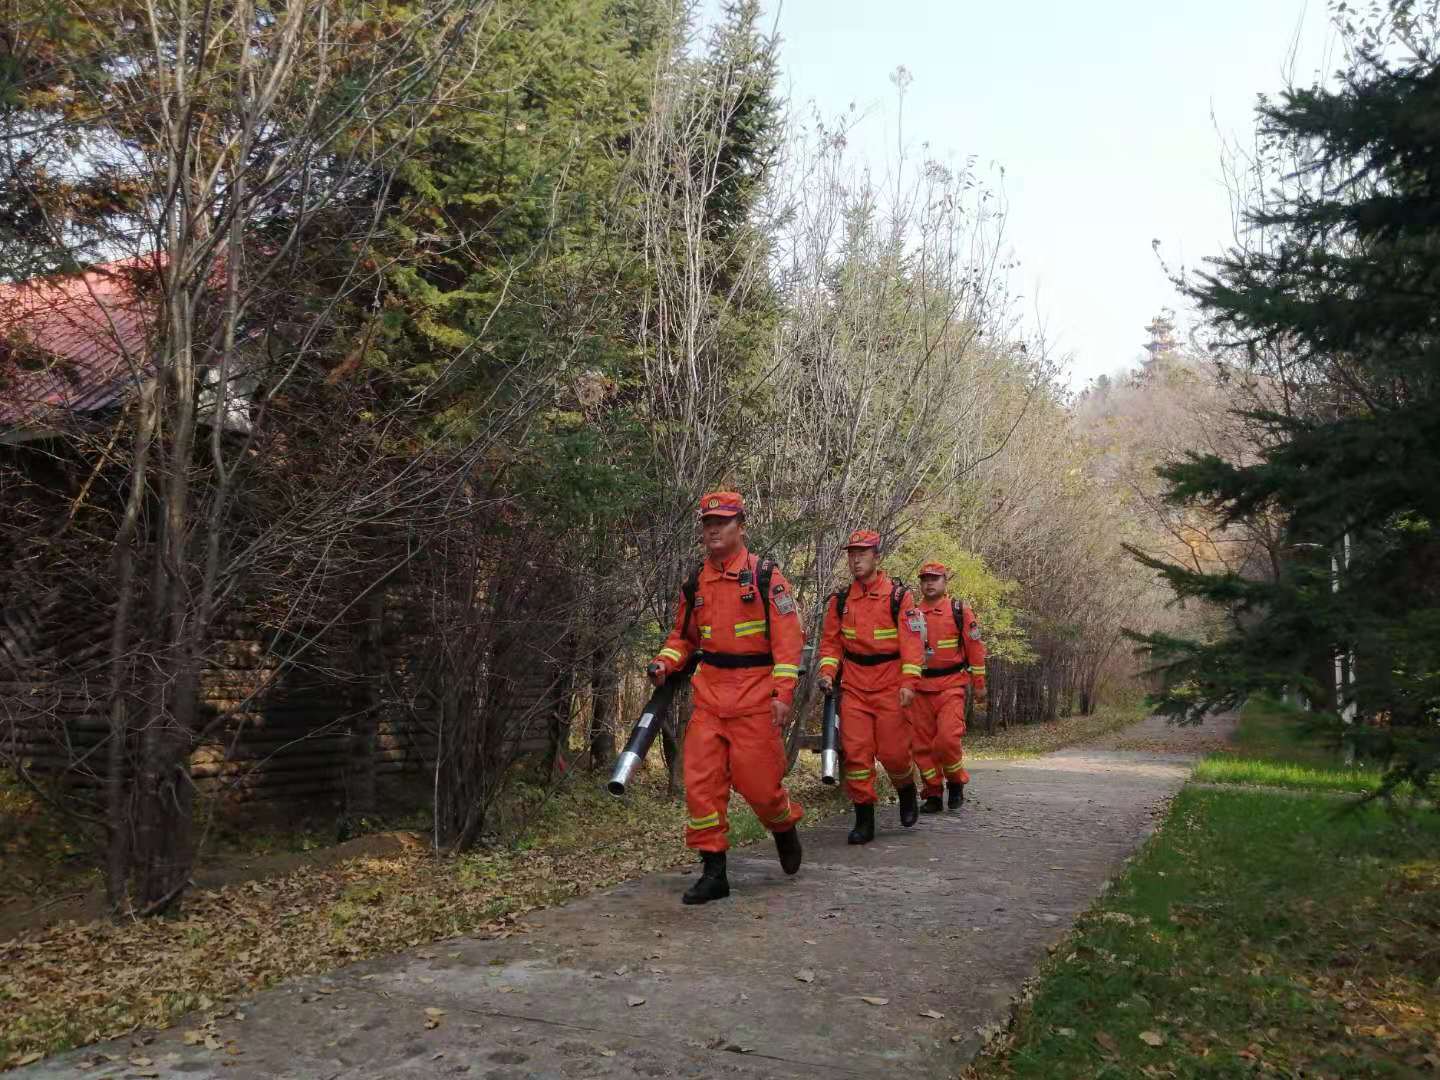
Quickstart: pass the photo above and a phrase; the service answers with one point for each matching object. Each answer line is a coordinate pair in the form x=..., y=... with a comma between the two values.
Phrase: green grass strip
x=1228, y=769
x=1274, y=747
x=1256, y=934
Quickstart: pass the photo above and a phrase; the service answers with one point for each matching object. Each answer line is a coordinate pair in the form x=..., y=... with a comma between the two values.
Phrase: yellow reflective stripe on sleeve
x=671, y=654
x=746, y=629
x=857, y=774
x=909, y=669
x=785, y=671
x=882, y=634
x=829, y=661
x=848, y=631
x=948, y=643
x=709, y=821
x=977, y=670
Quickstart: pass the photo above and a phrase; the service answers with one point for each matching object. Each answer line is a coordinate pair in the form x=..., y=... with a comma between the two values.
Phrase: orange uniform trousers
x=872, y=725
x=938, y=718
x=746, y=753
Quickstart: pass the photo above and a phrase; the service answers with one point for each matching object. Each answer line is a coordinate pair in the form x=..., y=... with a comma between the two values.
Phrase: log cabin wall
x=302, y=734
x=354, y=712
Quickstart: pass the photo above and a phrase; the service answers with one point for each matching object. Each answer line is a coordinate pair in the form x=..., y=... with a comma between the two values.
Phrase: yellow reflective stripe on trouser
x=980, y=671
x=709, y=821
x=857, y=774
x=929, y=774
x=954, y=766
x=785, y=671
x=829, y=661
x=746, y=629
x=883, y=635
x=783, y=816
x=909, y=669
x=671, y=654
x=705, y=632
x=900, y=779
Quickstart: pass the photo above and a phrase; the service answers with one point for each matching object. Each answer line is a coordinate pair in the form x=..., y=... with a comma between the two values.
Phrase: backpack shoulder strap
x=841, y=595
x=957, y=611
x=897, y=597
x=690, y=589
x=764, y=572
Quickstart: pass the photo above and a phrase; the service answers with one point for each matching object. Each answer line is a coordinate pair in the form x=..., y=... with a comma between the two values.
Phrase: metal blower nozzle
x=624, y=766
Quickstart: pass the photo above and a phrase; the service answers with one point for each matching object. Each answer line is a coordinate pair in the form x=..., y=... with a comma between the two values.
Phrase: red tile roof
x=74, y=344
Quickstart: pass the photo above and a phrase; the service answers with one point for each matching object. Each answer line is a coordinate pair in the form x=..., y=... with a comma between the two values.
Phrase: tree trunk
x=370, y=665
x=165, y=817
x=804, y=694
x=604, y=708
x=560, y=709
x=163, y=798
x=672, y=742
x=119, y=823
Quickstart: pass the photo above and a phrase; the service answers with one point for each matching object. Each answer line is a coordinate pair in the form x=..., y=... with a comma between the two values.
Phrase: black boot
x=909, y=806
x=787, y=843
x=712, y=883
x=864, y=830
x=933, y=804
x=957, y=793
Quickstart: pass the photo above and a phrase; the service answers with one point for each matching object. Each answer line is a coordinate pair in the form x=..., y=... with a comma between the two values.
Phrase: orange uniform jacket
x=868, y=630
x=724, y=622
x=950, y=645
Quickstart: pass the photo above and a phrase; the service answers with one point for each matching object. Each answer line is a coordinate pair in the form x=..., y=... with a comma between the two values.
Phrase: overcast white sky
x=1101, y=114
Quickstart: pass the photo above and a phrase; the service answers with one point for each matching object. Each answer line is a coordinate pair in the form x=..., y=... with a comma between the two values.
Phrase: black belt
x=950, y=669
x=871, y=659
x=737, y=660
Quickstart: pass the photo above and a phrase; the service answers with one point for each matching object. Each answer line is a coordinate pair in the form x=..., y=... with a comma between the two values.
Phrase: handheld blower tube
x=645, y=730
x=830, y=738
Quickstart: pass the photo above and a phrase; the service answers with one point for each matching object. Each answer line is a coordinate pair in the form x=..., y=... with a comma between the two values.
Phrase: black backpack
x=764, y=571
x=897, y=597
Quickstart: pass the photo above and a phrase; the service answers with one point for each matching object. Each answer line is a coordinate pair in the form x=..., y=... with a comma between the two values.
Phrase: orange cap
x=721, y=504
x=863, y=538
x=935, y=568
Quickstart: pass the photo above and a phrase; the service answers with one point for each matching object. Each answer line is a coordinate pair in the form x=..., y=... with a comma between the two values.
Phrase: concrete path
x=947, y=918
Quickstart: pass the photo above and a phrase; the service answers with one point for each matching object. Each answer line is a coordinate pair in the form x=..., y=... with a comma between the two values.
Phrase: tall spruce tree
x=1346, y=287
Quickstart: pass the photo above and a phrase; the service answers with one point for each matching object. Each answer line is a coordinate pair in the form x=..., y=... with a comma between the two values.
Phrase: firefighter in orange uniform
x=954, y=665
x=871, y=637
x=739, y=613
